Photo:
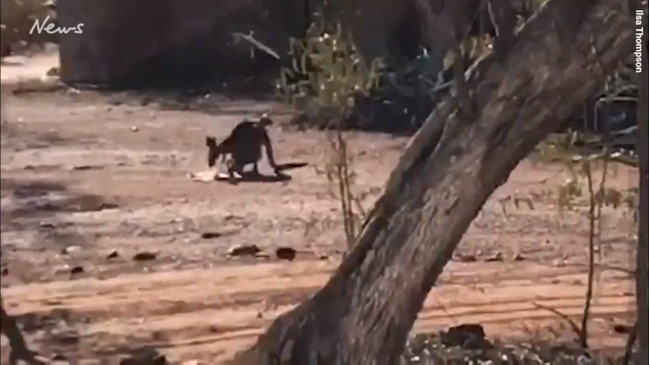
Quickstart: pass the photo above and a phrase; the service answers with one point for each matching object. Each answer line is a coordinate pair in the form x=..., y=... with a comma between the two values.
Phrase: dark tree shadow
x=291, y=166
x=30, y=199
x=145, y=355
x=132, y=354
x=67, y=344
x=42, y=206
x=252, y=177
x=17, y=344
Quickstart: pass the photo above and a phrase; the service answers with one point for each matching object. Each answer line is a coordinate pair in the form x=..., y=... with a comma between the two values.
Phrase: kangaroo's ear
x=210, y=141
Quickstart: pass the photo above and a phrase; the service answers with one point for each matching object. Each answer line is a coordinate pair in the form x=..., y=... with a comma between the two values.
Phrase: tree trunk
x=450, y=168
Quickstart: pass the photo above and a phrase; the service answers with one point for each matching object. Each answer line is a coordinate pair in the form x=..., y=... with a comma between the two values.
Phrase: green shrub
x=326, y=73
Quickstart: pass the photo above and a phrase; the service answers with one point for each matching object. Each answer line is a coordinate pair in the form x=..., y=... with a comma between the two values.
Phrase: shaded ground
x=86, y=175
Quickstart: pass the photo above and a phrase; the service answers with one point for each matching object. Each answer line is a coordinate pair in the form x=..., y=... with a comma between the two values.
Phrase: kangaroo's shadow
x=291, y=166
x=262, y=178
x=252, y=177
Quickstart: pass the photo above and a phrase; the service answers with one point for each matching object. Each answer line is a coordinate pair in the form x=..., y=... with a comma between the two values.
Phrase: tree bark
x=365, y=311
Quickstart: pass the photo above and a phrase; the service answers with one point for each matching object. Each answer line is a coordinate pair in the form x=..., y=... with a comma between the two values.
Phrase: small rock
x=260, y=315
x=323, y=257
x=113, y=254
x=577, y=282
x=134, y=129
x=243, y=250
x=519, y=257
x=211, y=235
x=70, y=249
x=465, y=258
x=5, y=271
x=622, y=329
x=497, y=257
x=59, y=357
x=53, y=71
x=85, y=167
x=108, y=206
x=286, y=253
x=144, y=256
x=76, y=270
x=48, y=225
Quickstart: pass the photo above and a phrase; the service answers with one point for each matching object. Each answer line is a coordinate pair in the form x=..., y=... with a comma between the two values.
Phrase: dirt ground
x=90, y=180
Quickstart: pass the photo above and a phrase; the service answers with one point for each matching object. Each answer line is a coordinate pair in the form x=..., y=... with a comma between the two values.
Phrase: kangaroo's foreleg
x=235, y=169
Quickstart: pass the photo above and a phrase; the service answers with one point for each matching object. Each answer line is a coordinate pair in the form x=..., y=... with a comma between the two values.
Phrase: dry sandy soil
x=85, y=174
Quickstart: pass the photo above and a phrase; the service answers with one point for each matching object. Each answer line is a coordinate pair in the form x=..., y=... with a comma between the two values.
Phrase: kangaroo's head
x=265, y=120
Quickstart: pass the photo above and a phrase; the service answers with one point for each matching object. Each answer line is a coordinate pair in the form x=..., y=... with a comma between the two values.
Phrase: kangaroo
x=244, y=145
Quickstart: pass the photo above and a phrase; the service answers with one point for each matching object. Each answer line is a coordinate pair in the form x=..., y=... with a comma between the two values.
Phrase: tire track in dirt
x=217, y=311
